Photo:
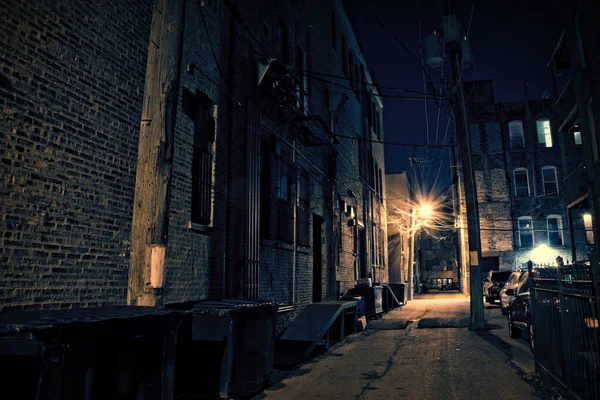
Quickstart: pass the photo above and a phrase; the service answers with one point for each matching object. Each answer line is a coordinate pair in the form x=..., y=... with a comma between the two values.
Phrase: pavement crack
x=389, y=364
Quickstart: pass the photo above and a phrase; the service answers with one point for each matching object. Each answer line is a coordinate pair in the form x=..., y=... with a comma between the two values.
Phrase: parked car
x=452, y=286
x=518, y=312
x=492, y=285
x=511, y=283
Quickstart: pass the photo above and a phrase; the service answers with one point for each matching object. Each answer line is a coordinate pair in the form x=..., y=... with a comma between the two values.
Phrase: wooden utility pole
x=150, y=225
x=464, y=142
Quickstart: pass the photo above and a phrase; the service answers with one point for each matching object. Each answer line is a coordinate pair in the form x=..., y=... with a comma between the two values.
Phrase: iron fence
x=565, y=322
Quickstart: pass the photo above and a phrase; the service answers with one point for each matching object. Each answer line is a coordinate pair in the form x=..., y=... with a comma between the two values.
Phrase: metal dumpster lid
x=224, y=307
x=12, y=322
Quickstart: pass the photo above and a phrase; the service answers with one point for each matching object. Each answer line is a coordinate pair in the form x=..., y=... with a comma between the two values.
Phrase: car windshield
x=514, y=279
x=500, y=276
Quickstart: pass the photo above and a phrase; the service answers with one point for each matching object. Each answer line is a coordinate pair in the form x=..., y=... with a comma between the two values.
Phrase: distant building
x=516, y=155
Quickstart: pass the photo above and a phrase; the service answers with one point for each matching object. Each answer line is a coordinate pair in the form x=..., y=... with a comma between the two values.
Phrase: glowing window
x=589, y=233
x=544, y=133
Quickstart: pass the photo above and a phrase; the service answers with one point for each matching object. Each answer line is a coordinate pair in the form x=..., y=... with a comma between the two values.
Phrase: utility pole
x=150, y=224
x=454, y=46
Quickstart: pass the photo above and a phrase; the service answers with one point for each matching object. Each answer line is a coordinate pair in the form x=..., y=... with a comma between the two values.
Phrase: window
x=587, y=224
x=525, y=232
x=333, y=32
x=351, y=69
x=303, y=210
x=302, y=81
x=265, y=188
x=344, y=57
x=357, y=81
x=521, y=182
x=592, y=130
x=202, y=111
x=577, y=137
x=285, y=194
x=550, y=181
x=515, y=129
x=266, y=31
x=284, y=43
x=555, y=233
x=544, y=134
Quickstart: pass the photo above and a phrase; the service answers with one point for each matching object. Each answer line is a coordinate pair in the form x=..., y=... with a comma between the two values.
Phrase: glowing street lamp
x=425, y=211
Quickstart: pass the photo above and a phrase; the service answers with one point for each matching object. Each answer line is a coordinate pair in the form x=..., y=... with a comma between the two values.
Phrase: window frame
x=559, y=229
x=521, y=169
x=521, y=231
x=202, y=111
x=550, y=167
x=513, y=144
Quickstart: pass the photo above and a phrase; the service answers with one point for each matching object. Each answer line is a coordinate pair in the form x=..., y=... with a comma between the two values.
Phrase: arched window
x=555, y=230
x=550, y=181
x=521, y=182
x=515, y=129
x=525, y=232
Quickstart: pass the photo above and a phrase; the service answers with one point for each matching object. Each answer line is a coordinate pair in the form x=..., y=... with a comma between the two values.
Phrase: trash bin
x=226, y=348
x=400, y=290
x=373, y=298
x=89, y=353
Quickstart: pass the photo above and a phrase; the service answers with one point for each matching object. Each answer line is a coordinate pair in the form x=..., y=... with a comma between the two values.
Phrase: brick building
x=399, y=222
x=276, y=184
x=573, y=67
x=516, y=155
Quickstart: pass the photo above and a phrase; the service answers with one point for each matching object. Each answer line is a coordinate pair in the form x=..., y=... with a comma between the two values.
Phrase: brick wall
x=71, y=110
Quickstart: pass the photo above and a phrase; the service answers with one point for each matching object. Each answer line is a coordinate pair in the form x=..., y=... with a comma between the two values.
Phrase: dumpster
x=225, y=348
x=400, y=290
x=89, y=353
x=372, y=296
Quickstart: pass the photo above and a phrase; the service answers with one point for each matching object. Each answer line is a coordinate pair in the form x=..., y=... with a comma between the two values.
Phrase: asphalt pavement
x=423, y=350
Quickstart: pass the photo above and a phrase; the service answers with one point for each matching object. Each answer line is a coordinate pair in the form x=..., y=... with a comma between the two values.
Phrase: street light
x=426, y=211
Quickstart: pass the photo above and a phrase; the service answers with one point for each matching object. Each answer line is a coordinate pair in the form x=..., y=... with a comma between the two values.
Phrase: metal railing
x=565, y=322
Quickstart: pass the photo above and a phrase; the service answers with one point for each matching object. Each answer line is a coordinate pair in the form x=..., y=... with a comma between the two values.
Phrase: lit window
x=515, y=129
x=521, y=182
x=555, y=233
x=525, y=232
x=587, y=224
x=577, y=137
x=550, y=181
x=544, y=133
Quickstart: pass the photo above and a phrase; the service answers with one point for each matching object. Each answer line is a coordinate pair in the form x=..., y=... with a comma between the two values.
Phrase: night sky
x=511, y=41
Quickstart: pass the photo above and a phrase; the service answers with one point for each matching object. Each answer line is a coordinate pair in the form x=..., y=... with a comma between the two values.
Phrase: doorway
x=361, y=251
x=317, y=259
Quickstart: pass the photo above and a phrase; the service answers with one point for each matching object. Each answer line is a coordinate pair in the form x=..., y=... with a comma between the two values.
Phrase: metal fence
x=565, y=321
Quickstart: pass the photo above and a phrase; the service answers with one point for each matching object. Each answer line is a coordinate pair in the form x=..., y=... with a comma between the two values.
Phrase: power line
x=374, y=85
x=388, y=96
x=433, y=146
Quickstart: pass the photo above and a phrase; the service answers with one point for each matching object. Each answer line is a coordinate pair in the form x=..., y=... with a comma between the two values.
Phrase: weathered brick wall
x=190, y=246
x=489, y=164
x=73, y=81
